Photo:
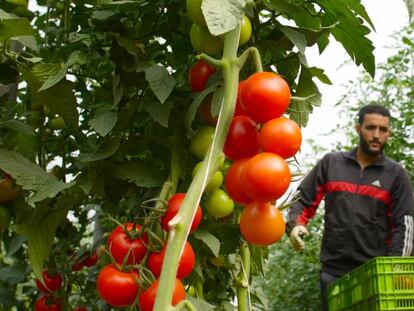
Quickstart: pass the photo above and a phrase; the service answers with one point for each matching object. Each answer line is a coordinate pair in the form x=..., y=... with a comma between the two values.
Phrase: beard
x=365, y=147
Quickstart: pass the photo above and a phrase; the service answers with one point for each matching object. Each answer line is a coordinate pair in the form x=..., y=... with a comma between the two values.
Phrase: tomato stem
x=254, y=52
x=243, y=279
x=211, y=60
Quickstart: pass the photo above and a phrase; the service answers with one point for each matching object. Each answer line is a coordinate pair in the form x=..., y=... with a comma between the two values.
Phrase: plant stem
x=243, y=279
x=181, y=223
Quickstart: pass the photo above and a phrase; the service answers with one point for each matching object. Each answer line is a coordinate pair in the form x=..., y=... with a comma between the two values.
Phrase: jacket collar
x=352, y=155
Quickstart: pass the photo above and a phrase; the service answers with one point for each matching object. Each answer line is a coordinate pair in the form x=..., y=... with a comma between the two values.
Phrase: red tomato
x=117, y=288
x=233, y=182
x=47, y=303
x=185, y=266
x=119, y=244
x=239, y=111
x=242, y=140
x=261, y=224
x=174, y=204
x=91, y=260
x=281, y=136
x=204, y=111
x=265, y=177
x=147, y=297
x=8, y=192
x=265, y=96
x=199, y=74
x=51, y=284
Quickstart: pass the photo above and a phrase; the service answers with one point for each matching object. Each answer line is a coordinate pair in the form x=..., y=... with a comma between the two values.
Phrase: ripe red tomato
x=51, y=284
x=8, y=192
x=117, y=288
x=242, y=140
x=265, y=177
x=185, y=266
x=204, y=111
x=91, y=260
x=233, y=182
x=147, y=297
x=47, y=303
x=265, y=96
x=174, y=204
x=199, y=74
x=281, y=136
x=261, y=224
x=239, y=111
x=120, y=244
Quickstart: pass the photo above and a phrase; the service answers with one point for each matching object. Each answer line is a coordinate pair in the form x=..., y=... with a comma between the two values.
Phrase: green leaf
x=301, y=108
x=28, y=41
x=15, y=244
x=104, y=151
x=160, y=81
x=320, y=74
x=18, y=126
x=200, y=304
x=158, y=111
x=15, y=27
x=297, y=38
x=141, y=173
x=410, y=7
x=222, y=16
x=39, y=230
x=208, y=239
x=13, y=275
x=104, y=122
x=31, y=177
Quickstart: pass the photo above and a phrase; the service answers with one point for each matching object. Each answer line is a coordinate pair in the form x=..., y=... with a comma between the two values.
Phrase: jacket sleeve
x=308, y=196
x=402, y=210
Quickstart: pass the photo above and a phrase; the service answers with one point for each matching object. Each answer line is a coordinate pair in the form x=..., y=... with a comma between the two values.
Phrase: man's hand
x=296, y=237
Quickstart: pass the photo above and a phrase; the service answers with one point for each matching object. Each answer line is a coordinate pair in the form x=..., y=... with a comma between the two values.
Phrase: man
x=368, y=202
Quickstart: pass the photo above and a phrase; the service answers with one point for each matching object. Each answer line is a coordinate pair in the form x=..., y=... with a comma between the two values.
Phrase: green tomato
x=219, y=204
x=57, y=123
x=5, y=218
x=215, y=181
x=204, y=42
x=245, y=31
x=201, y=141
x=194, y=12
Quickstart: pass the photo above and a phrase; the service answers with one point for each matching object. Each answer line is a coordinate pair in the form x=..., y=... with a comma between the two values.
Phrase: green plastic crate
x=382, y=283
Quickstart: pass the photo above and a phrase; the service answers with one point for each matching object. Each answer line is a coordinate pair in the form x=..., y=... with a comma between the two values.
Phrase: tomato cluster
x=50, y=284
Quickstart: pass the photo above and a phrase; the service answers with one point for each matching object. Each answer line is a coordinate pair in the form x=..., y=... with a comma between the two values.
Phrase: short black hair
x=372, y=108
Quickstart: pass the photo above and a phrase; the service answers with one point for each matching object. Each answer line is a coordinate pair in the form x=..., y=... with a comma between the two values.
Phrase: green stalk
x=243, y=279
x=180, y=224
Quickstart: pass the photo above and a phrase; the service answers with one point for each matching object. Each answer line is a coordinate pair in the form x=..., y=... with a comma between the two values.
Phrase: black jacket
x=368, y=212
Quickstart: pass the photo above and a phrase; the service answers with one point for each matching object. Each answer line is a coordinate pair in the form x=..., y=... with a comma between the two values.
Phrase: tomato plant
x=194, y=12
x=218, y=204
x=185, y=266
x=131, y=242
x=281, y=136
x=242, y=140
x=147, y=297
x=117, y=288
x=204, y=111
x=203, y=41
x=174, y=204
x=245, y=31
x=233, y=182
x=51, y=283
x=201, y=141
x=57, y=123
x=265, y=96
x=5, y=218
x=199, y=74
x=265, y=177
x=8, y=192
x=214, y=182
x=261, y=224
x=47, y=303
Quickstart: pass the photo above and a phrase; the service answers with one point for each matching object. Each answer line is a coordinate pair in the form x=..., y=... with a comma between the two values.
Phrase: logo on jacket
x=376, y=183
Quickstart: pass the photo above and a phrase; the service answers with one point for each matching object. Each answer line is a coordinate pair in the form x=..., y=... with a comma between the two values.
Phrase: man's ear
x=358, y=128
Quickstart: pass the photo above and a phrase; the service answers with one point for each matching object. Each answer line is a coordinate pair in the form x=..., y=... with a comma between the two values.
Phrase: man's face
x=373, y=133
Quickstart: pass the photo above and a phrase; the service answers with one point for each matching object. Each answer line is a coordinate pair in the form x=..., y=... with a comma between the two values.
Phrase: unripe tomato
x=51, y=283
x=234, y=184
x=57, y=123
x=219, y=204
x=120, y=244
x=281, y=136
x=147, y=297
x=215, y=181
x=204, y=111
x=194, y=12
x=8, y=192
x=242, y=139
x=265, y=96
x=47, y=303
x=174, y=204
x=203, y=41
x=265, y=177
x=5, y=218
x=199, y=74
x=117, y=288
x=261, y=224
x=201, y=140
x=245, y=30
x=185, y=265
